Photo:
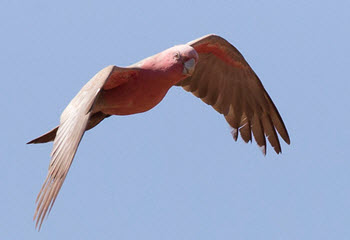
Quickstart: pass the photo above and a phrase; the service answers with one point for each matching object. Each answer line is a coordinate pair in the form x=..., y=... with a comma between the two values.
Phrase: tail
x=47, y=137
x=50, y=136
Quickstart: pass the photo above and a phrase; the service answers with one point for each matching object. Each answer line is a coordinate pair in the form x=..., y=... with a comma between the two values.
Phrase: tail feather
x=47, y=137
x=50, y=136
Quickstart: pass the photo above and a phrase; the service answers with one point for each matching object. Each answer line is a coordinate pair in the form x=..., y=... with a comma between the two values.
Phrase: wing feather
x=73, y=123
x=258, y=132
x=245, y=131
x=224, y=80
x=270, y=133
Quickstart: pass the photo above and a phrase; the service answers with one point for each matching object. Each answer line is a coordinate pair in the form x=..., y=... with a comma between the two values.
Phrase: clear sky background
x=175, y=172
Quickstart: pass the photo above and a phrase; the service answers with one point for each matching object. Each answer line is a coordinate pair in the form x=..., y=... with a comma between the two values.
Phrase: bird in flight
x=209, y=67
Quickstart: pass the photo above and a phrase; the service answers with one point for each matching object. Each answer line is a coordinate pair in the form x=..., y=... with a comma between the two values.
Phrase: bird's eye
x=177, y=56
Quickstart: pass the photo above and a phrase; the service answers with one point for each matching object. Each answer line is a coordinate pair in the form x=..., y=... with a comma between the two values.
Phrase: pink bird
x=209, y=67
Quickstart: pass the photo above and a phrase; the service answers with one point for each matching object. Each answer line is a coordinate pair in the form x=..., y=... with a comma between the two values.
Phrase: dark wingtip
x=234, y=133
x=288, y=141
x=263, y=149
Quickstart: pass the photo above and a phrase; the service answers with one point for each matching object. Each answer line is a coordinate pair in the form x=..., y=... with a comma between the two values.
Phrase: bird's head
x=173, y=64
x=178, y=61
x=186, y=57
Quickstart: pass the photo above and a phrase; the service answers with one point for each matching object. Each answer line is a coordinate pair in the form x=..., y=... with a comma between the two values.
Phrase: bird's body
x=140, y=90
x=209, y=67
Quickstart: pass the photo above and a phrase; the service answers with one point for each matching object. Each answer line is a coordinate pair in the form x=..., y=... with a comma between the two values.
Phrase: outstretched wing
x=73, y=123
x=224, y=80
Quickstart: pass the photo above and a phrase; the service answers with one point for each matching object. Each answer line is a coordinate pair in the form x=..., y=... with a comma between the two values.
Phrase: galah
x=209, y=67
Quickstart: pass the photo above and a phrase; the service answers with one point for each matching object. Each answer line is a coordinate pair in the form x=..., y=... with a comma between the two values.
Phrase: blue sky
x=175, y=172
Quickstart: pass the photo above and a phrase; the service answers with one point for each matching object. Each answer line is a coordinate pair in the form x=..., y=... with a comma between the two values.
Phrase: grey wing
x=224, y=80
x=72, y=126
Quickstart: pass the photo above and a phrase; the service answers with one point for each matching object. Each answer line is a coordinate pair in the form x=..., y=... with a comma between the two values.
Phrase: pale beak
x=189, y=67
